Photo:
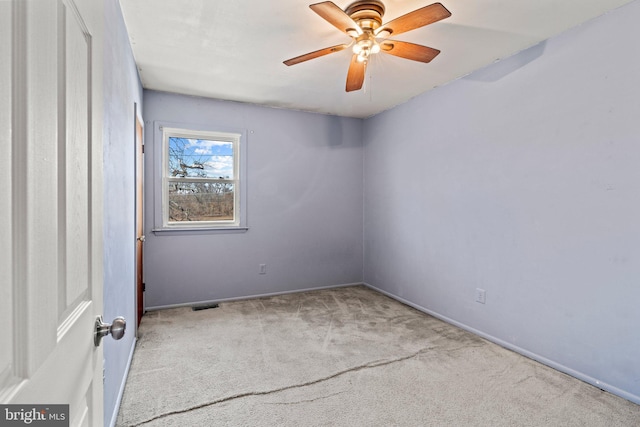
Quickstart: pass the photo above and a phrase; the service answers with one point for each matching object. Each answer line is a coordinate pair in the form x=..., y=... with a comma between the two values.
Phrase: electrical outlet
x=481, y=295
x=263, y=269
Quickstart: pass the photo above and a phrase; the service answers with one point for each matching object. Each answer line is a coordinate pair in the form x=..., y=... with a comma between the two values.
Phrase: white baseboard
x=116, y=409
x=552, y=364
x=215, y=301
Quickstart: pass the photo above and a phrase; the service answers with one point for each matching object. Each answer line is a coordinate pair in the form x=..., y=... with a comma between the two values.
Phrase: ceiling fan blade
x=412, y=20
x=315, y=54
x=414, y=52
x=336, y=17
x=355, y=75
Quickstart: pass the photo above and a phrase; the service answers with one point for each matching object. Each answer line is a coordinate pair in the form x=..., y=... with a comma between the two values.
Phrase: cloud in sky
x=207, y=143
x=218, y=166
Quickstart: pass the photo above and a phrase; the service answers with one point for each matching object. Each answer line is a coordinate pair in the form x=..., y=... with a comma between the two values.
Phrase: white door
x=51, y=204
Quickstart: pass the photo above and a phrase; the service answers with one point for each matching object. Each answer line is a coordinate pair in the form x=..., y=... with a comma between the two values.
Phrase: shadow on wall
x=338, y=132
x=504, y=67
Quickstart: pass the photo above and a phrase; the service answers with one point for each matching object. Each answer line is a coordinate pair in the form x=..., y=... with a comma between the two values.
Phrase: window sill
x=199, y=230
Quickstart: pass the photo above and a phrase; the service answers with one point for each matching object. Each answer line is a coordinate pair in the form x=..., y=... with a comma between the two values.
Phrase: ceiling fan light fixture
x=365, y=46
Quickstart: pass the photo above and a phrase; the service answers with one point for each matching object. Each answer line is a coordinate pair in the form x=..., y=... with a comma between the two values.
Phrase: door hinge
x=144, y=287
x=142, y=148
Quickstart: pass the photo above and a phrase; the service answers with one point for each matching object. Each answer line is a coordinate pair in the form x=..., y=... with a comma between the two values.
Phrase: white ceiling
x=233, y=49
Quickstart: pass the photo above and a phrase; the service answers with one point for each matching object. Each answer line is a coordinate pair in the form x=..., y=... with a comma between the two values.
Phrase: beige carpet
x=343, y=357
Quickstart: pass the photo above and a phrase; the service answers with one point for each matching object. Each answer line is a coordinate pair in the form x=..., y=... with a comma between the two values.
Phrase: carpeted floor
x=343, y=357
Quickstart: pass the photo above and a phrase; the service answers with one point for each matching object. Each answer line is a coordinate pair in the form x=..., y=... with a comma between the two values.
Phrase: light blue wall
x=122, y=90
x=522, y=179
x=304, y=201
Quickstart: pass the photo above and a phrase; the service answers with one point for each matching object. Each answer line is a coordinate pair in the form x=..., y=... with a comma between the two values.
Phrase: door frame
x=139, y=213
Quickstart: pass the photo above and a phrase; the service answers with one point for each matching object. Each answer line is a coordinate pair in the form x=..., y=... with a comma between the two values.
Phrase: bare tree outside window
x=201, y=180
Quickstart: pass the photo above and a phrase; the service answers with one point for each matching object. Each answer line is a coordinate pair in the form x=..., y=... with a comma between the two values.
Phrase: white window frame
x=164, y=131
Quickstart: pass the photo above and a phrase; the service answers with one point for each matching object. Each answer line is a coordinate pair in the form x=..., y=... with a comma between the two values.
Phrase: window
x=201, y=179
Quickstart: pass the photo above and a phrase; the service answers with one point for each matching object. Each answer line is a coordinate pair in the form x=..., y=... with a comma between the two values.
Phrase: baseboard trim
x=271, y=294
x=531, y=355
x=116, y=409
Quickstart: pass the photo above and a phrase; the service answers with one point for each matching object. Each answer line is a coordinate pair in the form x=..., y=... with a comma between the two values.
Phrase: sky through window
x=189, y=157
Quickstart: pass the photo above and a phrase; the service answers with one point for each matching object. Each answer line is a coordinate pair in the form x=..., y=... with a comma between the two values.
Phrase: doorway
x=140, y=287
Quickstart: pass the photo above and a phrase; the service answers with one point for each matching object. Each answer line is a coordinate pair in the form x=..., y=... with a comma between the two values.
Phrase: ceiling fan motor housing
x=366, y=13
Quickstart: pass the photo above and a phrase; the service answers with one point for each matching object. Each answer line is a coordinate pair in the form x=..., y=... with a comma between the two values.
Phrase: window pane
x=201, y=201
x=190, y=157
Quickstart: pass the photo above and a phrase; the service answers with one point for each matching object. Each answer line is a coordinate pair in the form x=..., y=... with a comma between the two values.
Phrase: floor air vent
x=204, y=306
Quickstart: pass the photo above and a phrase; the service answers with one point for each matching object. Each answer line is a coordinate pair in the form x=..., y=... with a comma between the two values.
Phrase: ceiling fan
x=362, y=21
